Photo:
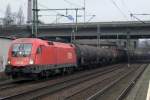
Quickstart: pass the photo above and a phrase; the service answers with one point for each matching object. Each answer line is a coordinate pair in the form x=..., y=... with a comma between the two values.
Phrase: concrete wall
x=4, y=46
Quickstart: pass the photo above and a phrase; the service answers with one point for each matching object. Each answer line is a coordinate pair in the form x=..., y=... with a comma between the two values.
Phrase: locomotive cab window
x=21, y=50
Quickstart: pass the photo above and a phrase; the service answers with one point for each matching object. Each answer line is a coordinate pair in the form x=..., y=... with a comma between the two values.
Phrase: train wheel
x=44, y=74
x=36, y=77
x=103, y=61
x=63, y=71
x=69, y=70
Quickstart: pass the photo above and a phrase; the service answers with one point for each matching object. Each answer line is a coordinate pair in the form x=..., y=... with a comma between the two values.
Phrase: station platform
x=141, y=90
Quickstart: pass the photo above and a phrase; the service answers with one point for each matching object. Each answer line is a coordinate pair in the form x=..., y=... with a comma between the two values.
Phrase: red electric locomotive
x=34, y=57
x=40, y=58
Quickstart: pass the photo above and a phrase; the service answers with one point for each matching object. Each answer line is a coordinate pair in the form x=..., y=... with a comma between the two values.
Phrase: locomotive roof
x=28, y=40
x=36, y=40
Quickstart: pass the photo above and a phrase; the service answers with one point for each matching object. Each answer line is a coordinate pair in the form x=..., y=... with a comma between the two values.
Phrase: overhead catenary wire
x=144, y=14
x=83, y=6
x=72, y=4
x=62, y=9
x=57, y=13
x=48, y=8
x=127, y=8
x=123, y=14
x=133, y=15
x=85, y=13
x=91, y=18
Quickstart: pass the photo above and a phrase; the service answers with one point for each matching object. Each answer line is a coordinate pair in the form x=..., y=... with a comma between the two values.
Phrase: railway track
x=120, y=86
x=78, y=82
x=8, y=83
x=85, y=89
x=53, y=86
x=77, y=86
x=15, y=83
x=131, y=83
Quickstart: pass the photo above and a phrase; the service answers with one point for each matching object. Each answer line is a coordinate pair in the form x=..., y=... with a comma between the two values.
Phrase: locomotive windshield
x=21, y=50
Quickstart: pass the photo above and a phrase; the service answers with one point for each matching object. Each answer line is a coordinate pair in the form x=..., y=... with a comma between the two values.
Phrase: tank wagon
x=31, y=57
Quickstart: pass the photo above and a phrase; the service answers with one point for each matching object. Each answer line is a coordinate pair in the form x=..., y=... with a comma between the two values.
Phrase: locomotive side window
x=21, y=50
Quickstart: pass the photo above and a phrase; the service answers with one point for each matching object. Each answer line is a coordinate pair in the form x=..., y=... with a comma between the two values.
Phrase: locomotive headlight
x=31, y=61
x=8, y=62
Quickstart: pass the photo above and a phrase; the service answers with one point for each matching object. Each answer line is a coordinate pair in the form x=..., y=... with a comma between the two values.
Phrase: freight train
x=32, y=57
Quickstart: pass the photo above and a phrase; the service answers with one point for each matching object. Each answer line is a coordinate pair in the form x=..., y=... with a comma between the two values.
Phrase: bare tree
x=20, y=17
x=8, y=18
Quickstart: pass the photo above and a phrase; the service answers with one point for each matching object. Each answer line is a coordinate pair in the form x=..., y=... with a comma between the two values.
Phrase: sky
x=104, y=10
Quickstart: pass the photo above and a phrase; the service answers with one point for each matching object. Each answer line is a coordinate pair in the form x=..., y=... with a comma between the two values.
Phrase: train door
x=57, y=51
x=38, y=55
